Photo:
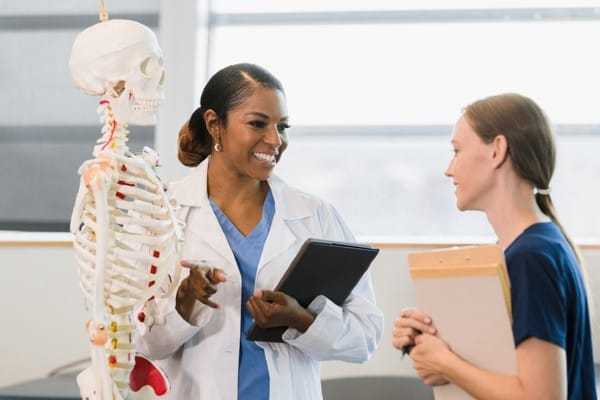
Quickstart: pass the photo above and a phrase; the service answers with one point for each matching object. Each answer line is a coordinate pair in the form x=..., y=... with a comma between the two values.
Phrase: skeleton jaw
x=135, y=108
x=126, y=237
x=144, y=105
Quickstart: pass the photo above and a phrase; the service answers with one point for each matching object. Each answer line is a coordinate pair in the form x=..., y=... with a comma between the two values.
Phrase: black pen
x=406, y=349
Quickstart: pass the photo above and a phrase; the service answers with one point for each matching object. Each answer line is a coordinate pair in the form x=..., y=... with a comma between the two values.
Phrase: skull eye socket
x=144, y=65
x=152, y=67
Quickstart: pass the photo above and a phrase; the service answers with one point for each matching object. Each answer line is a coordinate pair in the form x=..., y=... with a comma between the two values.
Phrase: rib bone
x=126, y=242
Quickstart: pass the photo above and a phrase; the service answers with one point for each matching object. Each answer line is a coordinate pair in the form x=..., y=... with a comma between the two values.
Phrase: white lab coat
x=201, y=358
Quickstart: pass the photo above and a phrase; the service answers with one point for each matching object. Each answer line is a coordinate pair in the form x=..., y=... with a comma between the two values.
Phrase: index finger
x=201, y=265
x=416, y=314
x=415, y=319
x=270, y=296
x=188, y=264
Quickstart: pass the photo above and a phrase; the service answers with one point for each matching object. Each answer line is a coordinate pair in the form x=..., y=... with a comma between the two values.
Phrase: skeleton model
x=125, y=234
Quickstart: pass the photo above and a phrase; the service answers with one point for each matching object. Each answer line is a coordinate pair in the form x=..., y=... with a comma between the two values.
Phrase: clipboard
x=466, y=291
x=321, y=267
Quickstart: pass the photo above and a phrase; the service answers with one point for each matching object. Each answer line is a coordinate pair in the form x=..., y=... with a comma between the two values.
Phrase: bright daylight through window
x=373, y=90
x=373, y=94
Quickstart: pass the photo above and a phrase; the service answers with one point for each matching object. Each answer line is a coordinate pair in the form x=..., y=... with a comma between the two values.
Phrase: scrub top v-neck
x=253, y=376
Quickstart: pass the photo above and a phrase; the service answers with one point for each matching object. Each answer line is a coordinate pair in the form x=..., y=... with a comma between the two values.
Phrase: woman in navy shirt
x=504, y=158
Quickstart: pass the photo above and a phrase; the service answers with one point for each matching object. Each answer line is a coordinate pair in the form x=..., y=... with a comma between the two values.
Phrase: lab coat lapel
x=288, y=207
x=280, y=239
x=213, y=234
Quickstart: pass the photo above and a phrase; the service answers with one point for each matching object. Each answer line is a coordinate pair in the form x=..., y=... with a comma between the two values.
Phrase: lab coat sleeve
x=162, y=340
x=348, y=333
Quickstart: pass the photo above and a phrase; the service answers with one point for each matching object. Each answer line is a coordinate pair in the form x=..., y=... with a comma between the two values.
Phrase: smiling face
x=471, y=168
x=254, y=135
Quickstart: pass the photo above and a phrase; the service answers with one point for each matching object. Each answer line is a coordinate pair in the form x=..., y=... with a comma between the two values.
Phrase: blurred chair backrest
x=376, y=388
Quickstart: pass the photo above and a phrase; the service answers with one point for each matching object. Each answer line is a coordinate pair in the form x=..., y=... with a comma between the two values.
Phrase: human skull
x=121, y=60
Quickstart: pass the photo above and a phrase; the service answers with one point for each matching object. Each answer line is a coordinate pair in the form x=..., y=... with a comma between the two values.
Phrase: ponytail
x=544, y=202
x=195, y=143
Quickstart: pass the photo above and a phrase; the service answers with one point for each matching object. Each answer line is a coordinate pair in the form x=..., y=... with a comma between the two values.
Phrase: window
x=374, y=88
x=373, y=91
x=47, y=127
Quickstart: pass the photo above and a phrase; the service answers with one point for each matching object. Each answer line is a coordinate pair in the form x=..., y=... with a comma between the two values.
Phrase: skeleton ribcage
x=126, y=246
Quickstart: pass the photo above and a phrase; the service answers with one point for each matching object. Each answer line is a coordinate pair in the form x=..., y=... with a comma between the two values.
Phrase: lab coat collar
x=289, y=205
x=287, y=208
x=191, y=191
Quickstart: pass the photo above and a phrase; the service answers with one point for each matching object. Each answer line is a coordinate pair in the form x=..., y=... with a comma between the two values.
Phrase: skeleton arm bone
x=94, y=177
x=121, y=61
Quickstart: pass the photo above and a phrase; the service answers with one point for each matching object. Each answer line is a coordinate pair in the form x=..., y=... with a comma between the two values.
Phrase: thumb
x=216, y=275
x=266, y=295
x=220, y=275
x=273, y=296
x=259, y=294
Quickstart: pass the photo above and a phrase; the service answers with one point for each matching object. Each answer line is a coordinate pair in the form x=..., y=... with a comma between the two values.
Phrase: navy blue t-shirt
x=549, y=301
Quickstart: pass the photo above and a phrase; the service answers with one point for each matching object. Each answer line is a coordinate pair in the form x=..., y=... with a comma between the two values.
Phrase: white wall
x=393, y=290
x=43, y=315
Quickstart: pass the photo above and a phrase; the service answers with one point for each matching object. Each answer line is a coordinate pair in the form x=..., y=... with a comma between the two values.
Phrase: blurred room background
x=373, y=90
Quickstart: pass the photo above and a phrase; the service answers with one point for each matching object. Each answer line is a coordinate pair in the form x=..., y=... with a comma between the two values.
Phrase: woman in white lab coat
x=243, y=227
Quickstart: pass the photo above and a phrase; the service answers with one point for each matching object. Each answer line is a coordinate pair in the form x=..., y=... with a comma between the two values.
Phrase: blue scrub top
x=253, y=375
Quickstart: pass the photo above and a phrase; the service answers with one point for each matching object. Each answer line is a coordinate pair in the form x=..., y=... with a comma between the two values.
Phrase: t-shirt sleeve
x=538, y=298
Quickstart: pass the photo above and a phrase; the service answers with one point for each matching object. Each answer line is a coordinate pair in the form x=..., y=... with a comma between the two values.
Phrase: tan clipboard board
x=466, y=291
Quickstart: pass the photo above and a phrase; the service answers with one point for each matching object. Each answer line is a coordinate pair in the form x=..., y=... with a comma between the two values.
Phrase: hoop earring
x=218, y=147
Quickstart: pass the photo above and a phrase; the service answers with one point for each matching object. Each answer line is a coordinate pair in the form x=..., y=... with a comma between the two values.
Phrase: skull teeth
x=146, y=104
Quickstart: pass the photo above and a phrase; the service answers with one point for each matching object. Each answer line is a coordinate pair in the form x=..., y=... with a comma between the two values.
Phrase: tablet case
x=321, y=267
x=466, y=291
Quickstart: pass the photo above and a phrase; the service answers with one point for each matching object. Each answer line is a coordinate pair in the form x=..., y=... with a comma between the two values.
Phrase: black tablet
x=324, y=267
